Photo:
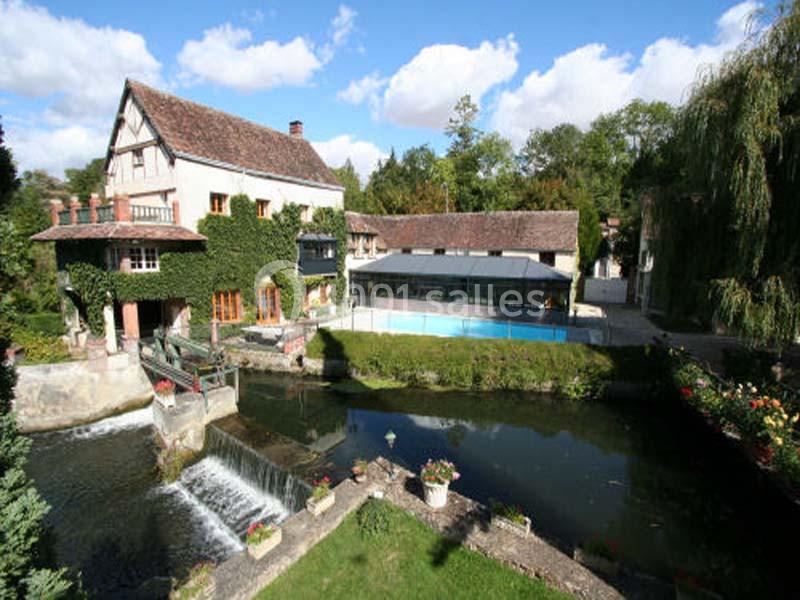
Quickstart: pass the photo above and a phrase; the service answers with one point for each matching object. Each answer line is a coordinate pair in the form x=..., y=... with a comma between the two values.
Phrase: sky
x=364, y=77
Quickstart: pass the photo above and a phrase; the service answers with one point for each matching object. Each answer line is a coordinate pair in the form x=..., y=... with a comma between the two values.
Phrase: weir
x=256, y=469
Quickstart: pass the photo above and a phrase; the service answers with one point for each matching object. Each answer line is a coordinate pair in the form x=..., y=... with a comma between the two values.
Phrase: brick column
x=176, y=212
x=122, y=209
x=74, y=205
x=94, y=202
x=56, y=206
x=130, y=320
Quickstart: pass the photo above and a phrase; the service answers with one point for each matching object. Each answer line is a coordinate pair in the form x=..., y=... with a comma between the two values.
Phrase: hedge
x=577, y=370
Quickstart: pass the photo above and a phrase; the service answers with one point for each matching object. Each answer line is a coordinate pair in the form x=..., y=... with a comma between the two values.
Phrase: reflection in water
x=125, y=531
x=636, y=473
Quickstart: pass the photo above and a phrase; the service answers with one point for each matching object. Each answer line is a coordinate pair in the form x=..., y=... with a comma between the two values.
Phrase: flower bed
x=763, y=423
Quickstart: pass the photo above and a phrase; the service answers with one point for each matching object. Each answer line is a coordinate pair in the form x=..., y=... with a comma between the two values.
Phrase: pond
x=673, y=500
x=639, y=473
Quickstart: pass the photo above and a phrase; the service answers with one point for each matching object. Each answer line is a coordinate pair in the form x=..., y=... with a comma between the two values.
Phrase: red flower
x=753, y=404
x=254, y=527
x=687, y=392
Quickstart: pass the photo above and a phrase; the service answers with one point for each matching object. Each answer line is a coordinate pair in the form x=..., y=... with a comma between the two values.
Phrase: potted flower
x=262, y=538
x=198, y=585
x=359, y=470
x=510, y=518
x=598, y=555
x=436, y=477
x=165, y=393
x=322, y=497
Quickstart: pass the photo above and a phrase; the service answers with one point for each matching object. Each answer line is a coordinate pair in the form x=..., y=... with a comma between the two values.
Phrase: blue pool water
x=450, y=326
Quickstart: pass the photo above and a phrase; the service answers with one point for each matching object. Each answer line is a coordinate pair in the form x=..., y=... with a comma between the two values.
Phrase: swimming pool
x=451, y=326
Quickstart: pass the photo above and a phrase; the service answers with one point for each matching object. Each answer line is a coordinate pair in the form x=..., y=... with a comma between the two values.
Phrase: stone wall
x=68, y=394
x=185, y=424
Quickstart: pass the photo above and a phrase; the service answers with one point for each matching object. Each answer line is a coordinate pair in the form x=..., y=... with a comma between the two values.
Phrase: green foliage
x=41, y=347
x=172, y=461
x=22, y=512
x=87, y=181
x=8, y=173
x=756, y=416
x=238, y=246
x=353, y=194
x=734, y=212
x=485, y=364
x=15, y=261
x=375, y=518
x=49, y=323
x=196, y=583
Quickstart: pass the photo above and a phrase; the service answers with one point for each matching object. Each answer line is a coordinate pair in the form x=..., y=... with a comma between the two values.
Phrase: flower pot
x=191, y=591
x=360, y=477
x=435, y=494
x=520, y=529
x=166, y=400
x=257, y=551
x=317, y=507
x=595, y=562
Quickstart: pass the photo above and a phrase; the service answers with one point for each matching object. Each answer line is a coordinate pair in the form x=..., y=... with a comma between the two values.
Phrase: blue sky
x=363, y=76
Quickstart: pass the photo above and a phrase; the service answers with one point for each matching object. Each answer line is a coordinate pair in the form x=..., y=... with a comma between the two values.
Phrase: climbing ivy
x=238, y=246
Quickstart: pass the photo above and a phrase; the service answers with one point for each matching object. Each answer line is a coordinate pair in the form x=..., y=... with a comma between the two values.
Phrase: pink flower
x=456, y=475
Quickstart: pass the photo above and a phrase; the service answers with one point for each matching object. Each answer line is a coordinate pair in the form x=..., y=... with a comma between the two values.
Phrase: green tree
x=464, y=136
x=88, y=180
x=729, y=227
x=552, y=153
x=353, y=194
x=8, y=173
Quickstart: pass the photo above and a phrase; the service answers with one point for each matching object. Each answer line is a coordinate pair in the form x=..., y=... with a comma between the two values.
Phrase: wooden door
x=268, y=307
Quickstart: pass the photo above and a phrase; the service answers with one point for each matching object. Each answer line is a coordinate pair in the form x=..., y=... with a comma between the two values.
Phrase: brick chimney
x=296, y=129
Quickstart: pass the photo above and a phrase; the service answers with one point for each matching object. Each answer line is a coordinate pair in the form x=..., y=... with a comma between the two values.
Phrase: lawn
x=409, y=561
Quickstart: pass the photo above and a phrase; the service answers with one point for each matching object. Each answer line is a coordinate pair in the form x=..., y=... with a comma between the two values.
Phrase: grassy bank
x=405, y=560
x=462, y=363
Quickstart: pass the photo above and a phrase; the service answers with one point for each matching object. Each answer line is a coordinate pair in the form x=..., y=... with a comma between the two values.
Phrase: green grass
x=486, y=364
x=410, y=561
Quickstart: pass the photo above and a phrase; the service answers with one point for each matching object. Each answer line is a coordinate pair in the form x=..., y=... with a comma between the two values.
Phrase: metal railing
x=82, y=216
x=64, y=218
x=151, y=214
x=105, y=214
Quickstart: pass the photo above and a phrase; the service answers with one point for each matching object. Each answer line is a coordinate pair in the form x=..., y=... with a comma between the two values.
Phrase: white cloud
x=367, y=89
x=422, y=92
x=342, y=26
x=223, y=57
x=589, y=81
x=41, y=55
x=363, y=155
x=55, y=149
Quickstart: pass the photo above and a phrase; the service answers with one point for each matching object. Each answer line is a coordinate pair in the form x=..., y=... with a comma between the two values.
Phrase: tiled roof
x=548, y=231
x=194, y=130
x=118, y=231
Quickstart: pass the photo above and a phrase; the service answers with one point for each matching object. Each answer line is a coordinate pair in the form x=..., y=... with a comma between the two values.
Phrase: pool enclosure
x=483, y=285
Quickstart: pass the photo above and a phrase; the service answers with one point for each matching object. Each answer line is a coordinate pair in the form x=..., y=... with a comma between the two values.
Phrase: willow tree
x=732, y=226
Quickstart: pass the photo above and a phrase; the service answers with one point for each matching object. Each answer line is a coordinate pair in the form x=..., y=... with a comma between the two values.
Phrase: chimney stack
x=296, y=129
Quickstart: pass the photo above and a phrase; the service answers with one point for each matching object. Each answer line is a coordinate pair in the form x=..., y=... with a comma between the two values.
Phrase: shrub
x=40, y=347
x=375, y=518
x=48, y=323
x=199, y=578
x=577, y=370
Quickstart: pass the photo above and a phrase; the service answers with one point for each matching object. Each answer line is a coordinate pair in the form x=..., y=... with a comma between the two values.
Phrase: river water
x=639, y=474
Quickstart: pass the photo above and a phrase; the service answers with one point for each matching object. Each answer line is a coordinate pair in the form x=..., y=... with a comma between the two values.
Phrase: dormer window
x=138, y=157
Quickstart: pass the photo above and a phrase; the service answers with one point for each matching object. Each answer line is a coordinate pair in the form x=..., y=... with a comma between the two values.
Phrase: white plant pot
x=317, y=507
x=435, y=494
x=257, y=551
x=167, y=401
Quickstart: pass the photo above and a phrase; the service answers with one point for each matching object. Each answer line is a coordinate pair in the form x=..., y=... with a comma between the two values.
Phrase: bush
x=48, y=323
x=171, y=462
x=375, y=518
x=41, y=348
x=577, y=370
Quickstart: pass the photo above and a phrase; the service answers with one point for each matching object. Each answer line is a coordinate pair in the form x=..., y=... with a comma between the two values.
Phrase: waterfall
x=256, y=469
x=133, y=419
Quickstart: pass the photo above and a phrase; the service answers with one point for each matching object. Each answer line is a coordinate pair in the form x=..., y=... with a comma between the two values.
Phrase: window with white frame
x=142, y=258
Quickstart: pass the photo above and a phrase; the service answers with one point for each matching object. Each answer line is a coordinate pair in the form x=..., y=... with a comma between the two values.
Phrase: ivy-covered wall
x=238, y=246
